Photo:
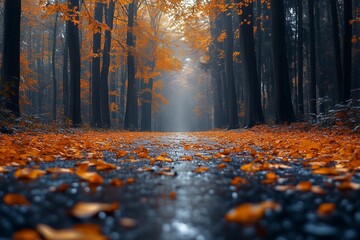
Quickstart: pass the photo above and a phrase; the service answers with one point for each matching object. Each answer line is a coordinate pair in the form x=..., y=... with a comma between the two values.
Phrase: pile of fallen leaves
x=333, y=153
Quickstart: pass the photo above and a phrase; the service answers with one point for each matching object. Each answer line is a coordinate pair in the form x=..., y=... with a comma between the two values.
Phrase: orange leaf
x=91, y=177
x=29, y=174
x=15, y=199
x=326, y=171
x=85, y=210
x=127, y=222
x=249, y=213
x=326, y=209
x=121, y=153
x=201, y=169
x=102, y=165
x=26, y=234
x=116, y=182
x=70, y=234
x=237, y=181
x=303, y=186
x=221, y=166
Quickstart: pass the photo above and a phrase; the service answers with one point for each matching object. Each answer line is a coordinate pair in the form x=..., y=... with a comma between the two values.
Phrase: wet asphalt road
x=201, y=202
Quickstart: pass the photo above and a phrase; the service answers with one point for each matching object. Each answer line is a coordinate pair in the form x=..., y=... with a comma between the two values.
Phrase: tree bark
x=54, y=67
x=95, y=68
x=300, y=52
x=336, y=41
x=254, y=113
x=104, y=93
x=233, y=121
x=347, y=46
x=11, y=56
x=74, y=56
x=284, y=108
x=131, y=114
x=313, y=111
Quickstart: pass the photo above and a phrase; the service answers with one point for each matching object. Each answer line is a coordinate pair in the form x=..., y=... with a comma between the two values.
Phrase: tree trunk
x=131, y=114
x=254, y=114
x=300, y=52
x=104, y=89
x=347, y=61
x=229, y=70
x=313, y=111
x=74, y=56
x=284, y=108
x=95, y=68
x=336, y=42
x=66, y=80
x=54, y=68
x=11, y=56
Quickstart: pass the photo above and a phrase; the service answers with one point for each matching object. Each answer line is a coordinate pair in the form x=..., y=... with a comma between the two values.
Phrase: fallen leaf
x=28, y=174
x=237, y=181
x=130, y=180
x=26, y=234
x=102, y=165
x=69, y=234
x=15, y=199
x=303, y=186
x=4, y=170
x=91, y=177
x=221, y=166
x=250, y=213
x=117, y=182
x=201, y=169
x=326, y=171
x=85, y=210
x=326, y=209
x=127, y=222
x=121, y=153
x=172, y=195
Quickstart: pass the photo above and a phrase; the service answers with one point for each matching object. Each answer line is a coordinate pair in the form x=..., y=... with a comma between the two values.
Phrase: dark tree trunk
x=233, y=121
x=253, y=110
x=313, y=111
x=54, y=67
x=66, y=80
x=131, y=114
x=74, y=56
x=347, y=61
x=300, y=52
x=11, y=56
x=215, y=72
x=95, y=68
x=104, y=93
x=336, y=42
x=123, y=75
x=284, y=108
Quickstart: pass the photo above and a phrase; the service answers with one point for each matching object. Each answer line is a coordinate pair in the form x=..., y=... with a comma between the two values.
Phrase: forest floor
x=282, y=182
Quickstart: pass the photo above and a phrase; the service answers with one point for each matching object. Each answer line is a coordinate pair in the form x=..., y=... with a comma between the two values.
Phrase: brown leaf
x=26, y=234
x=116, y=182
x=237, y=181
x=91, y=177
x=303, y=186
x=85, y=210
x=326, y=209
x=127, y=222
x=90, y=233
x=121, y=153
x=15, y=199
x=249, y=213
x=102, y=165
x=201, y=169
x=326, y=171
x=28, y=174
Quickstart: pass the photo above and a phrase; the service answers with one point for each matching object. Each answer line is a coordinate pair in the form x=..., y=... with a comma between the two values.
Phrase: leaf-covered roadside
x=239, y=157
